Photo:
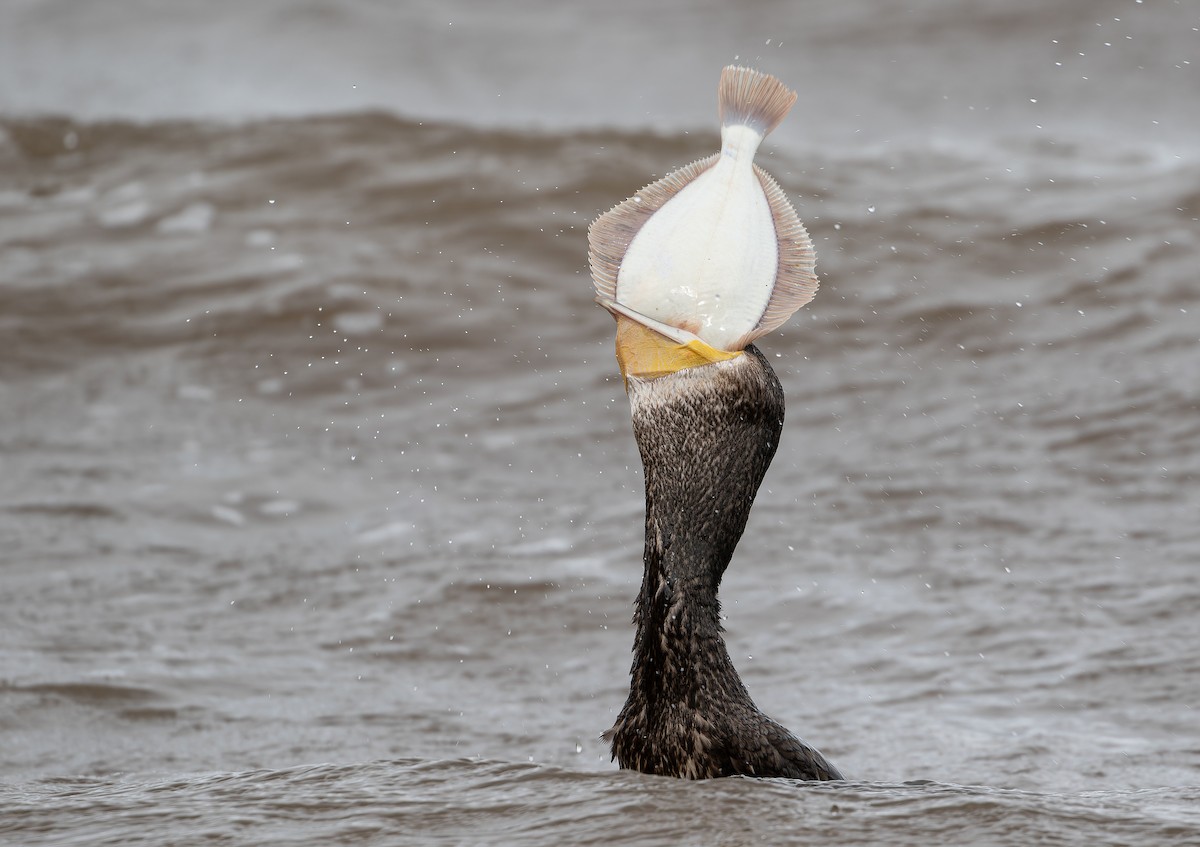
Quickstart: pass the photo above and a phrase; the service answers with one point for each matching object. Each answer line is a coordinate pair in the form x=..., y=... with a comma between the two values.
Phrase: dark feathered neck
x=707, y=436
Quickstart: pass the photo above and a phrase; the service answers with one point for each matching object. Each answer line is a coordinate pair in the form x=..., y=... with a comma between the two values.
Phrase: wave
x=422, y=801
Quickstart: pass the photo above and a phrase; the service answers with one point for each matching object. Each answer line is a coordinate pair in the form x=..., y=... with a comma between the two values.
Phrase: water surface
x=320, y=505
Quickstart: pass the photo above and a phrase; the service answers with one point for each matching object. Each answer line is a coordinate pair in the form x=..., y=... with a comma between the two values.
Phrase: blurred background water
x=321, y=514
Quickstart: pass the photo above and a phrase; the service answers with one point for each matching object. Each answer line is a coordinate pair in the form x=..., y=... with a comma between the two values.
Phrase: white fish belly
x=706, y=261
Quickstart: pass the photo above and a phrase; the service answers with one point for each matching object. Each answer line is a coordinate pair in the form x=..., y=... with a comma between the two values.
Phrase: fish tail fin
x=750, y=97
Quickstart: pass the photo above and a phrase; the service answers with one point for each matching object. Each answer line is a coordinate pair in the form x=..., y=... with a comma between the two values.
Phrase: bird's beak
x=647, y=353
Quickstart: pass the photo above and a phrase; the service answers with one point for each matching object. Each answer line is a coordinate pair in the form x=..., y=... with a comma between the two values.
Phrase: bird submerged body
x=694, y=268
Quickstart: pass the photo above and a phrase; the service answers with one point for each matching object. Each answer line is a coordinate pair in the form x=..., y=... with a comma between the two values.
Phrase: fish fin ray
x=610, y=235
x=795, y=278
x=750, y=97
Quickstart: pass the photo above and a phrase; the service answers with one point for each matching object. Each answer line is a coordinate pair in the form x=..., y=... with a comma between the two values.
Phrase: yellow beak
x=646, y=353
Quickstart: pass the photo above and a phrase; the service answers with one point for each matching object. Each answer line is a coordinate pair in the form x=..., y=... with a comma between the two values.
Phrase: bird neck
x=707, y=436
x=679, y=652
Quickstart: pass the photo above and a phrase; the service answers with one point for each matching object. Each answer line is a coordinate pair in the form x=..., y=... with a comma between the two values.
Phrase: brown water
x=320, y=511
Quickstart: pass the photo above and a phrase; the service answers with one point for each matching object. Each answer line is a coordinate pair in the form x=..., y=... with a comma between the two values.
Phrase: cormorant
x=694, y=268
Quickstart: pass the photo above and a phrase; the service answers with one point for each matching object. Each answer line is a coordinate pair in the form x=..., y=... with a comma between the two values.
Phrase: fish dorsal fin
x=750, y=97
x=795, y=276
x=610, y=235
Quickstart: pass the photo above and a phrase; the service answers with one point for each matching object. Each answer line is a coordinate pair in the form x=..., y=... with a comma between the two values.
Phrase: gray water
x=320, y=509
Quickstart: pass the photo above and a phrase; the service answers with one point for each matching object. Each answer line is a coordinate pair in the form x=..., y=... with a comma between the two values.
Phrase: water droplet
x=871, y=209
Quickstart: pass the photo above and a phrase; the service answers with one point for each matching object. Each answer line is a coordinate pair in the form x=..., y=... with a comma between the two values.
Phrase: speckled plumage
x=706, y=435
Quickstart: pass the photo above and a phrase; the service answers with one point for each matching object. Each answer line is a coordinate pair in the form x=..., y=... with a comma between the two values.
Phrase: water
x=320, y=508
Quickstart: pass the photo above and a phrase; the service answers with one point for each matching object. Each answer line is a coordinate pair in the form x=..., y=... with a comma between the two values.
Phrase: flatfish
x=712, y=255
